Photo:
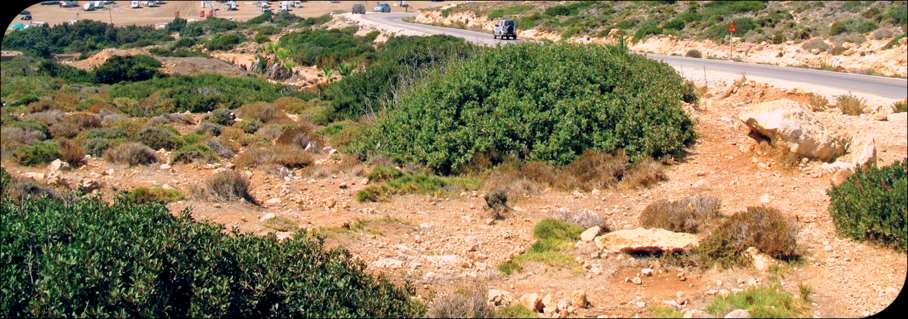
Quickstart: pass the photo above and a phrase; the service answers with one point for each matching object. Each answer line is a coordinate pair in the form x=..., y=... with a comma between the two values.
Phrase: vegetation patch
x=281, y=224
x=127, y=69
x=463, y=301
x=82, y=36
x=688, y=215
x=383, y=185
x=766, y=301
x=515, y=311
x=154, y=194
x=94, y=260
x=326, y=48
x=873, y=205
x=553, y=238
x=501, y=104
x=226, y=186
x=39, y=153
x=132, y=154
x=764, y=228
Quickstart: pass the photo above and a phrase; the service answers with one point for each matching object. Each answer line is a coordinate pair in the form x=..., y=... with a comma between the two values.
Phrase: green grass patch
x=768, y=301
x=145, y=195
x=660, y=311
x=396, y=182
x=282, y=224
x=553, y=238
x=508, y=11
x=515, y=311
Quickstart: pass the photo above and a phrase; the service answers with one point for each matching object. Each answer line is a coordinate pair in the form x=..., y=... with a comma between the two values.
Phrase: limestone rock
x=531, y=301
x=786, y=123
x=761, y=261
x=579, y=300
x=643, y=240
x=387, y=263
x=738, y=313
x=590, y=233
x=497, y=297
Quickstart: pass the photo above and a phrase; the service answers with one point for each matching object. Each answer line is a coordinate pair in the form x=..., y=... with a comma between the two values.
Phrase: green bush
x=39, y=153
x=536, y=102
x=127, y=69
x=222, y=117
x=193, y=152
x=860, y=26
x=96, y=146
x=508, y=11
x=650, y=27
x=570, y=9
x=553, y=238
x=175, y=25
x=94, y=260
x=763, y=228
x=224, y=41
x=158, y=137
x=873, y=205
x=83, y=36
x=325, y=48
x=400, y=60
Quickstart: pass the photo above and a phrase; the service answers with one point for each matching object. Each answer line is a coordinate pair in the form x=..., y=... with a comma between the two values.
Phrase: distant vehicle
x=89, y=6
x=382, y=7
x=49, y=3
x=68, y=4
x=232, y=6
x=505, y=29
x=359, y=9
x=135, y=4
x=297, y=4
x=152, y=4
x=285, y=6
x=25, y=12
x=266, y=9
x=25, y=17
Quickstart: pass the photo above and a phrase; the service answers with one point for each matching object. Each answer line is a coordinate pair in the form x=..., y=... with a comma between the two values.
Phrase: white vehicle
x=297, y=4
x=232, y=6
x=99, y=4
x=67, y=4
x=285, y=6
x=134, y=4
x=152, y=4
x=89, y=6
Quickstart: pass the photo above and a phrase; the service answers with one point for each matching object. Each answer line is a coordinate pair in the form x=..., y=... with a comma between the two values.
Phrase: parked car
x=25, y=17
x=382, y=7
x=505, y=29
x=359, y=9
x=68, y=4
x=49, y=3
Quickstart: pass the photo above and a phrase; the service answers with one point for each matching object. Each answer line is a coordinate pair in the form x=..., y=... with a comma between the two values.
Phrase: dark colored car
x=359, y=9
x=505, y=29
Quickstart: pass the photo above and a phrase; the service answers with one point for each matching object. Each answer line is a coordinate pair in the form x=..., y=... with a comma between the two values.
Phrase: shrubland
x=326, y=48
x=547, y=102
x=82, y=36
x=90, y=258
x=872, y=205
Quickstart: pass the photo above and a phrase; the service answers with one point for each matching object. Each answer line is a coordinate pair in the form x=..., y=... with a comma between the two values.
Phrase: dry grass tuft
x=688, y=215
x=225, y=186
x=132, y=154
x=764, y=228
x=72, y=153
x=850, y=104
x=467, y=300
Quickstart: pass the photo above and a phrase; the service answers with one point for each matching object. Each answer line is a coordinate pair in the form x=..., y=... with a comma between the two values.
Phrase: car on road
x=505, y=29
x=359, y=9
x=49, y=3
x=68, y=4
x=382, y=7
x=25, y=17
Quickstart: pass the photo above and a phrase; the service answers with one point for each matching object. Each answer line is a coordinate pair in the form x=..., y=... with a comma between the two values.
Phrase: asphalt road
x=892, y=88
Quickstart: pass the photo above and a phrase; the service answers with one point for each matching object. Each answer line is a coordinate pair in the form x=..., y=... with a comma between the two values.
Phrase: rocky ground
x=434, y=242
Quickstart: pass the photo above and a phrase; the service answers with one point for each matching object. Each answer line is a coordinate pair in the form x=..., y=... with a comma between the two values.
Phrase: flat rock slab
x=646, y=240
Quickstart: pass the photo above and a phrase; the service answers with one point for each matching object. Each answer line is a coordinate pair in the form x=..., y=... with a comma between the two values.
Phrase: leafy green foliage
x=325, y=48
x=39, y=153
x=82, y=36
x=765, y=301
x=158, y=137
x=201, y=93
x=852, y=26
x=193, y=152
x=569, y=9
x=536, y=102
x=873, y=205
x=400, y=60
x=508, y=11
x=515, y=311
x=127, y=259
x=225, y=41
x=211, y=25
x=127, y=69
x=553, y=237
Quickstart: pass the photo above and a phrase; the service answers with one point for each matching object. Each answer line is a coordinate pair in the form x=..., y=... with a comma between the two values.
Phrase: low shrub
x=127, y=69
x=81, y=36
x=761, y=227
x=223, y=117
x=132, y=154
x=21, y=190
x=221, y=148
x=900, y=106
x=644, y=173
x=818, y=44
x=553, y=237
x=515, y=311
x=873, y=205
x=72, y=153
x=325, y=48
x=281, y=224
x=583, y=218
x=145, y=195
x=17, y=136
x=96, y=146
x=463, y=301
x=39, y=153
x=156, y=264
x=694, y=53
x=226, y=186
x=159, y=137
x=224, y=41
x=850, y=104
x=411, y=183
x=764, y=301
x=193, y=152
x=283, y=155
x=860, y=26
x=262, y=112
x=250, y=127
x=497, y=201
x=688, y=215
x=206, y=128
x=73, y=124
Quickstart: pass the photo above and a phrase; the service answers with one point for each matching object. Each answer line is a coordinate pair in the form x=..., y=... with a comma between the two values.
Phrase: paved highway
x=696, y=69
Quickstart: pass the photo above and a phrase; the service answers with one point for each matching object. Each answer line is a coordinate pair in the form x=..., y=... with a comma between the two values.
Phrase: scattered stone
x=56, y=165
x=642, y=240
x=387, y=263
x=87, y=185
x=590, y=233
x=531, y=301
x=267, y=216
x=273, y=201
x=696, y=313
x=764, y=199
x=785, y=122
x=34, y=176
x=579, y=300
x=283, y=235
x=164, y=166
x=672, y=304
x=499, y=297
x=738, y=313
x=548, y=304
x=636, y=280
x=646, y=272
x=761, y=261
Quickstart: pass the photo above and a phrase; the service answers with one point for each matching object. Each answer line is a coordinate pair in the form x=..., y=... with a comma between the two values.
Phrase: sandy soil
x=122, y=14
x=435, y=241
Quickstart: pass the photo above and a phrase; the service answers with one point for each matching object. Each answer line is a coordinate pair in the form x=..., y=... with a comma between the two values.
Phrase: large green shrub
x=88, y=259
x=82, y=36
x=873, y=205
x=539, y=102
x=127, y=68
x=225, y=41
x=39, y=153
x=400, y=60
x=325, y=48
